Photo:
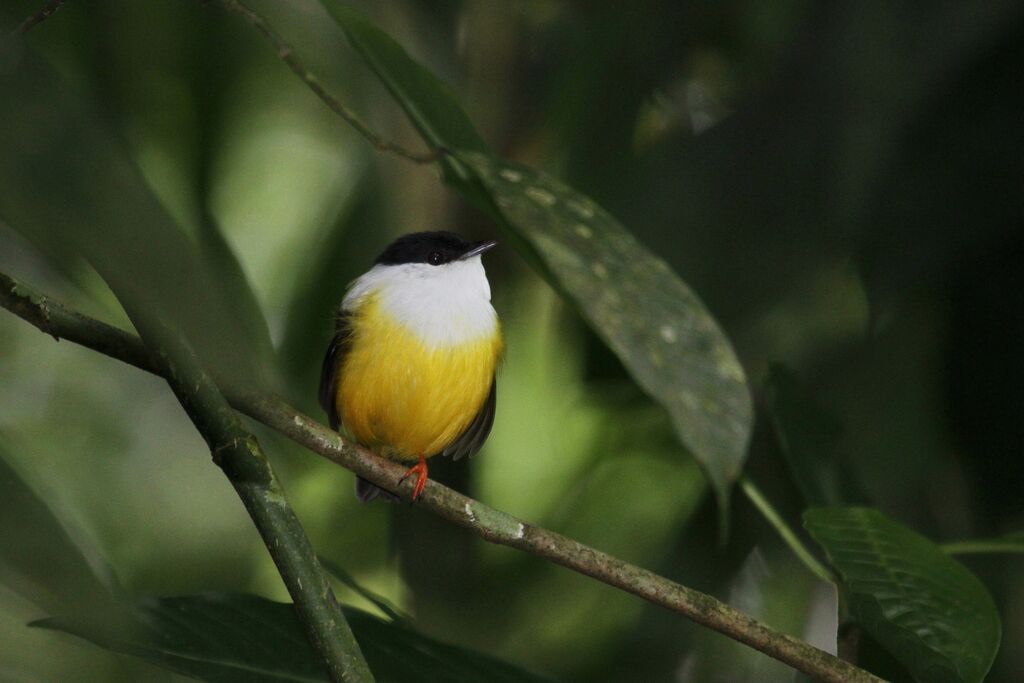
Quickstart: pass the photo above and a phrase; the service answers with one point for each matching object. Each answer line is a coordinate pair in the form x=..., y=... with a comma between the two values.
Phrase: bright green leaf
x=241, y=638
x=655, y=324
x=929, y=611
x=650, y=318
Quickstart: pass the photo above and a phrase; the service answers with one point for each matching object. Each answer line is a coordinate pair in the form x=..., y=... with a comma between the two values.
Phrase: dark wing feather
x=472, y=439
x=329, y=371
x=340, y=344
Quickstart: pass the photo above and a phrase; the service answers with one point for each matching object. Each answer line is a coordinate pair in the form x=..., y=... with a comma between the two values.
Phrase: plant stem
x=493, y=525
x=983, y=546
x=784, y=530
x=287, y=55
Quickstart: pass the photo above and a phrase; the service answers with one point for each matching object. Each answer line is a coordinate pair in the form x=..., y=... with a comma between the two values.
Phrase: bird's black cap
x=435, y=248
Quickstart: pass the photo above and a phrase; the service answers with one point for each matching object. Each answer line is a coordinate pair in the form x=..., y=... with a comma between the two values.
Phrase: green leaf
x=428, y=102
x=654, y=323
x=651, y=319
x=243, y=638
x=38, y=558
x=70, y=185
x=929, y=611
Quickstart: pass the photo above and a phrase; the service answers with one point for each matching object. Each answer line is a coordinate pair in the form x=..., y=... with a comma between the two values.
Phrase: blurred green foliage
x=840, y=183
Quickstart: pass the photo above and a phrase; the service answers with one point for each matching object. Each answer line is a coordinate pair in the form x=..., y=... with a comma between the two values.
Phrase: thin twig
x=287, y=54
x=788, y=535
x=493, y=525
x=38, y=17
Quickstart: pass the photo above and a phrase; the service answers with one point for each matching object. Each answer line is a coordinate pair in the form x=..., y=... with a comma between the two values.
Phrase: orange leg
x=420, y=470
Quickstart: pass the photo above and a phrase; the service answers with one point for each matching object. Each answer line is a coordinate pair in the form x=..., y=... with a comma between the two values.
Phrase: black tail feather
x=365, y=491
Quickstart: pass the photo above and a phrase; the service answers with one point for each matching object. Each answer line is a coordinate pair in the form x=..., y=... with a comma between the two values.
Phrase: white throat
x=444, y=305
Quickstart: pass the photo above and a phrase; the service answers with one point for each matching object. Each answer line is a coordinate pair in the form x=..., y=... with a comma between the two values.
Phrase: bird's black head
x=435, y=248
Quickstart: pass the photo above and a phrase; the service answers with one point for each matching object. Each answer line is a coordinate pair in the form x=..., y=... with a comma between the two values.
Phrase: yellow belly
x=403, y=399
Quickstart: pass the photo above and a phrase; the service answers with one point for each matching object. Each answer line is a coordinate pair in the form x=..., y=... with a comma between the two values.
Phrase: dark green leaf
x=930, y=612
x=38, y=558
x=650, y=318
x=429, y=103
x=244, y=638
x=655, y=324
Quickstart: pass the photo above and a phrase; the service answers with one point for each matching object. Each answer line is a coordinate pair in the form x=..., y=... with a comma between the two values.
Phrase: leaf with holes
x=930, y=612
x=232, y=637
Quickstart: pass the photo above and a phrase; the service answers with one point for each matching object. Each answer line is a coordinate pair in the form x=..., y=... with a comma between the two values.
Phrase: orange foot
x=420, y=470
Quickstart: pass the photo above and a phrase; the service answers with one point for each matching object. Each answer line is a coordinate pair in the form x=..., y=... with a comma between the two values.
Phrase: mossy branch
x=491, y=524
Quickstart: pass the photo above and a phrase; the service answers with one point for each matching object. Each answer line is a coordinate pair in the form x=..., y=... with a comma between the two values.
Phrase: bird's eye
x=435, y=258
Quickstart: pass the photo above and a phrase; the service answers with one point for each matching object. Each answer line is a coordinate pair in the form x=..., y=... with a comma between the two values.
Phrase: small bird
x=410, y=372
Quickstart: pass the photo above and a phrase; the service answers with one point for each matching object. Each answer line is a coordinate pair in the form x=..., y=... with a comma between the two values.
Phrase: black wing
x=470, y=441
x=340, y=344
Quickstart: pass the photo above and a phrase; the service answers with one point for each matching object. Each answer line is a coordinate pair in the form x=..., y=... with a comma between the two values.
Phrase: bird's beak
x=478, y=248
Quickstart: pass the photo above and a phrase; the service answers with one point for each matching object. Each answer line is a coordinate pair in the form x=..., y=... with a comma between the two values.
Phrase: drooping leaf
x=927, y=609
x=69, y=184
x=648, y=316
x=243, y=638
x=38, y=558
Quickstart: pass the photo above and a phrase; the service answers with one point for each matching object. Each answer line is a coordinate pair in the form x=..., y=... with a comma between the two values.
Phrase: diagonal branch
x=239, y=455
x=493, y=525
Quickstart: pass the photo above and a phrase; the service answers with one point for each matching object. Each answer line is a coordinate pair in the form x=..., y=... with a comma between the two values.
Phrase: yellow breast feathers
x=404, y=395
